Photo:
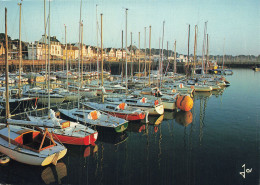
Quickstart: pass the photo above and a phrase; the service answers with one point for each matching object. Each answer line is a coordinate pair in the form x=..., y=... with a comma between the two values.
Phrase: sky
x=233, y=26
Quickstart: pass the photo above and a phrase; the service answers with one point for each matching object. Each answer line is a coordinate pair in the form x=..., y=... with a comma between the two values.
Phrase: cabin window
x=133, y=101
x=27, y=138
x=110, y=107
x=79, y=115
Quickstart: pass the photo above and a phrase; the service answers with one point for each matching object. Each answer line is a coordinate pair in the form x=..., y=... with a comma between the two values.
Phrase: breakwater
x=115, y=67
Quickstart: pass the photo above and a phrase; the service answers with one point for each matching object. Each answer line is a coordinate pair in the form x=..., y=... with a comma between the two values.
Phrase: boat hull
x=157, y=110
x=53, y=100
x=87, y=140
x=20, y=105
x=202, y=89
x=169, y=105
x=71, y=98
x=129, y=117
x=119, y=128
x=21, y=155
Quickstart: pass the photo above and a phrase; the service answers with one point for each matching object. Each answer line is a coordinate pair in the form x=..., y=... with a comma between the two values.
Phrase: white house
x=37, y=51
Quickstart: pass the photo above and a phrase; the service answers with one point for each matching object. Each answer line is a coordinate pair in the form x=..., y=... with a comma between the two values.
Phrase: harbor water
x=216, y=143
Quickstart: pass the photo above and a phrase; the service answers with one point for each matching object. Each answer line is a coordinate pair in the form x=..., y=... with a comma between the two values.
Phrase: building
x=119, y=54
x=87, y=51
x=37, y=49
x=2, y=49
x=72, y=52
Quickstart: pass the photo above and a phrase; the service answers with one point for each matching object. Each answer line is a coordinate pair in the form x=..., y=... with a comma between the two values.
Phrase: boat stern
x=54, y=157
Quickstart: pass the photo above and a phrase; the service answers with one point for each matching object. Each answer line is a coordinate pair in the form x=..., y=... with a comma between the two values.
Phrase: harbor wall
x=115, y=67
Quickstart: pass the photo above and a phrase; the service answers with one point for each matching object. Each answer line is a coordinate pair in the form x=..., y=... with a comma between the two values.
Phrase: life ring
x=4, y=159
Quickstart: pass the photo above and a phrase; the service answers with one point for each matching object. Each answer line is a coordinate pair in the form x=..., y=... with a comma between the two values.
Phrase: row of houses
x=39, y=50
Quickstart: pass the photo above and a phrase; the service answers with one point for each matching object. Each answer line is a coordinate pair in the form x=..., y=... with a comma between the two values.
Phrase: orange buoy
x=184, y=103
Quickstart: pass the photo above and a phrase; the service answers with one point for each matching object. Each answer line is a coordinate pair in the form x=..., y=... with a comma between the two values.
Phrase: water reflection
x=184, y=118
x=219, y=92
x=90, y=150
x=112, y=138
x=136, y=127
x=19, y=173
x=154, y=120
x=53, y=174
x=81, y=152
x=169, y=115
x=198, y=95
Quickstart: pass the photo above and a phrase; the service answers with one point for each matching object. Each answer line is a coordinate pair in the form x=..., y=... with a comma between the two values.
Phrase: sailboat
x=16, y=101
x=68, y=132
x=95, y=118
x=26, y=145
x=121, y=111
x=153, y=107
x=100, y=120
x=29, y=146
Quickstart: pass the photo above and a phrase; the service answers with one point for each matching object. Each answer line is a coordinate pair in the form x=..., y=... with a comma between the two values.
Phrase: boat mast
x=126, y=84
x=145, y=51
x=67, y=64
x=97, y=46
x=159, y=76
x=101, y=15
x=20, y=52
x=7, y=108
x=188, y=70
x=175, y=58
x=49, y=68
x=33, y=55
x=223, y=54
x=79, y=81
x=167, y=57
x=195, y=47
x=122, y=57
x=81, y=55
x=45, y=42
x=162, y=58
x=139, y=55
x=150, y=30
x=132, y=75
x=203, y=48
x=206, y=68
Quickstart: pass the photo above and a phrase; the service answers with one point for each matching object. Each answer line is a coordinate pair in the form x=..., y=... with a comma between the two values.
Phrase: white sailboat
x=25, y=145
x=101, y=121
x=30, y=147
x=153, y=107
x=69, y=132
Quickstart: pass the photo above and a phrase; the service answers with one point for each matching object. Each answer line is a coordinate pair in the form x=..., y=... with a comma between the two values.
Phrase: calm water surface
x=208, y=145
